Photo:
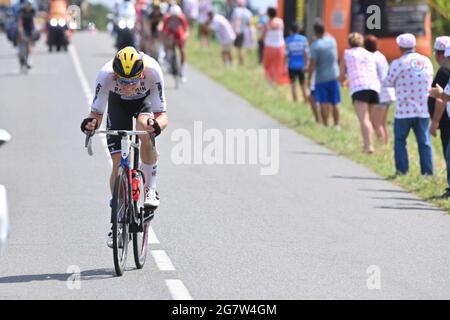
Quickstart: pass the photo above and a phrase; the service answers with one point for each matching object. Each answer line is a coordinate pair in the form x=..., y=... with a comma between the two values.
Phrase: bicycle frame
x=126, y=145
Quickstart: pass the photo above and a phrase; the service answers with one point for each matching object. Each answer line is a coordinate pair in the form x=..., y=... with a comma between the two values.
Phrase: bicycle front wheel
x=120, y=220
x=140, y=239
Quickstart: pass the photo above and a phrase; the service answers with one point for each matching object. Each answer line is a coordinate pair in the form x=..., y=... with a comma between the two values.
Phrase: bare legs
x=363, y=112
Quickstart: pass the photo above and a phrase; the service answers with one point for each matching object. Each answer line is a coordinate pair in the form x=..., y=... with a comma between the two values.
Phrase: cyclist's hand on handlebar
x=88, y=125
x=153, y=127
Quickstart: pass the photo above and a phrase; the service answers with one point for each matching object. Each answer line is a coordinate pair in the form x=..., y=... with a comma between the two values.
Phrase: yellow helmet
x=128, y=63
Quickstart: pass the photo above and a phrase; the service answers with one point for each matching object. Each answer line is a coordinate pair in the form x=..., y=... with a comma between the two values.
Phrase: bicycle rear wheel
x=119, y=219
x=140, y=239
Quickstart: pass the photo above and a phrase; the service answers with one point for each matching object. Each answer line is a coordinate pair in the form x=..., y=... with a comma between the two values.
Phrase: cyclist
x=155, y=21
x=26, y=25
x=132, y=85
x=175, y=28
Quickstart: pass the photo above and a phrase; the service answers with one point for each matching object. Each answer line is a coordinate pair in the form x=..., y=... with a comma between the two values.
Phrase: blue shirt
x=324, y=52
x=296, y=47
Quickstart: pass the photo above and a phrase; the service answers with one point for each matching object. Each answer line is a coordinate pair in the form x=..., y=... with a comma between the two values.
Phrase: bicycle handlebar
x=121, y=133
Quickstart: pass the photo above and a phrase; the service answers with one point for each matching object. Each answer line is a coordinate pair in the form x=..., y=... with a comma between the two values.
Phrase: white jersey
x=151, y=87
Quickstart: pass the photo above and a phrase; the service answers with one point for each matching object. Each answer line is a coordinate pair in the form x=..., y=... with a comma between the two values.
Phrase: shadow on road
x=385, y=190
x=95, y=274
x=358, y=178
x=400, y=207
x=398, y=198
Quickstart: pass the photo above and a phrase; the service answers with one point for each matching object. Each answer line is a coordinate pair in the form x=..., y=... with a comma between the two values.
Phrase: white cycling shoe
x=109, y=240
x=151, y=198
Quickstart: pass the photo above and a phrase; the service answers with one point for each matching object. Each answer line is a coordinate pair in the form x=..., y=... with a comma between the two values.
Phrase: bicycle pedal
x=148, y=215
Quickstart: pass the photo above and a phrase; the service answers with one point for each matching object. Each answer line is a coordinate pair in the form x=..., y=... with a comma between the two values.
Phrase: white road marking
x=178, y=290
x=152, y=239
x=176, y=287
x=162, y=260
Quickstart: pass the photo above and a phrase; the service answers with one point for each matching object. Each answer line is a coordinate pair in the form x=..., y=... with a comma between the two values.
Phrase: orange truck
x=385, y=19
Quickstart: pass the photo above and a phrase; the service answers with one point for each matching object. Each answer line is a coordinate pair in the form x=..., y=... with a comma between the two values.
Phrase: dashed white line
x=162, y=260
x=176, y=287
x=178, y=290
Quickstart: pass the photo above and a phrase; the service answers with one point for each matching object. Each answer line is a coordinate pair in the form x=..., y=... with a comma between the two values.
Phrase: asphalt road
x=320, y=227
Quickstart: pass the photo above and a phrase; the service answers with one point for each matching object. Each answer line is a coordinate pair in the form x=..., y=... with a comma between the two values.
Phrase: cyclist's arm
x=156, y=100
x=102, y=88
x=162, y=119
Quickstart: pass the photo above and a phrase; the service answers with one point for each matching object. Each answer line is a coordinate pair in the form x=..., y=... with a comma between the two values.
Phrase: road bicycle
x=130, y=220
x=173, y=60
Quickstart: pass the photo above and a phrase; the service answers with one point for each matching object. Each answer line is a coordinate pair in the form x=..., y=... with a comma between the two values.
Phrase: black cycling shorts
x=239, y=41
x=369, y=96
x=293, y=74
x=120, y=117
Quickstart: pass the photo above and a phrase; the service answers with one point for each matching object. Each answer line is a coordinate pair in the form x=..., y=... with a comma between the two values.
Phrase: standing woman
x=273, y=57
x=380, y=112
x=204, y=6
x=360, y=68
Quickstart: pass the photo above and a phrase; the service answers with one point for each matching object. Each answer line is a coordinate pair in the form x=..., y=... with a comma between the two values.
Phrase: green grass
x=249, y=83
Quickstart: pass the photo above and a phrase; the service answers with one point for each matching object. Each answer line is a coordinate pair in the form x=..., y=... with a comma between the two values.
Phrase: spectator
x=204, y=7
x=380, y=111
x=411, y=76
x=274, y=63
x=224, y=33
x=312, y=101
x=360, y=68
x=241, y=21
x=297, y=51
x=324, y=62
x=190, y=9
x=440, y=116
x=263, y=19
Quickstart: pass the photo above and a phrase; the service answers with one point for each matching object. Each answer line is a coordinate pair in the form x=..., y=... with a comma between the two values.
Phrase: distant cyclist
x=132, y=85
x=26, y=25
x=175, y=28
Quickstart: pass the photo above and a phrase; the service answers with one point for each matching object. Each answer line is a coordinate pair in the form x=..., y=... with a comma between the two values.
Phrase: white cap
x=447, y=50
x=175, y=10
x=406, y=41
x=441, y=42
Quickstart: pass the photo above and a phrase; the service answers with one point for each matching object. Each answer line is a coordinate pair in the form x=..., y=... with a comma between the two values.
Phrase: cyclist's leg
x=180, y=44
x=149, y=165
x=148, y=150
x=119, y=118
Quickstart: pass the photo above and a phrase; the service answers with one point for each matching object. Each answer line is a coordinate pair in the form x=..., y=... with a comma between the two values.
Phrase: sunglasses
x=128, y=82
